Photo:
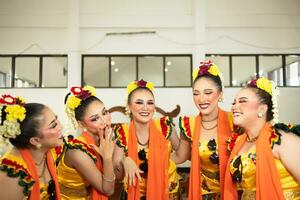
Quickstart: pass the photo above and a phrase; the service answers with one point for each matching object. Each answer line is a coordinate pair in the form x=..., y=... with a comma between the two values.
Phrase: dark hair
x=81, y=109
x=264, y=98
x=215, y=79
x=137, y=89
x=29, y=126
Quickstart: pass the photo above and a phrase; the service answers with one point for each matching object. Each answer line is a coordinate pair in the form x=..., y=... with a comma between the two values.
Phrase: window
x=293, y=70
x=119, y=70
x=5, y=72
x=31, y=71
x=243, y=69
x=271, y=68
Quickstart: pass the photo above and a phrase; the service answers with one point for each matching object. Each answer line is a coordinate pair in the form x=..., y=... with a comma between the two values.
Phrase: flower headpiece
x=206, y=67
x=139, y=84
x=74, y=98
x=271, y=88
x=12, y=113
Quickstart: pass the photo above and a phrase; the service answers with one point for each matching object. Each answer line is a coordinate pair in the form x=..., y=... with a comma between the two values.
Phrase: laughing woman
x=264, y=162
x=204, y=136
x=27, y=171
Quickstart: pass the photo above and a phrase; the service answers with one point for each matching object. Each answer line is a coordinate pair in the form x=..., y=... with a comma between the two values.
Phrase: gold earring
x=260, y=115
x=84, y=129
x=38, y=146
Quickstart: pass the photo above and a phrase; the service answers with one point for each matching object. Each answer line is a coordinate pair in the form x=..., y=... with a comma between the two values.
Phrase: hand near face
x=106, y=143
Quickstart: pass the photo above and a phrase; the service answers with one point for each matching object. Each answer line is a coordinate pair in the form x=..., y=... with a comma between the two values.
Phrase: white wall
x=76, y=27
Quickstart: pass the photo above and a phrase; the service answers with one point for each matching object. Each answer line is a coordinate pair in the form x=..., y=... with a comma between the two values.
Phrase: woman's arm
x=125, y=166
x=288, y=153
x=181, y=147
x=10, y=189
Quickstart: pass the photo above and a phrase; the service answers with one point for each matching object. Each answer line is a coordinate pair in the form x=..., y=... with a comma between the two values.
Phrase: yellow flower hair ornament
x=206, y=67
x=139, y=84
x=271, y=88
x=77, y=94
x=12, y=113
x=74, y=98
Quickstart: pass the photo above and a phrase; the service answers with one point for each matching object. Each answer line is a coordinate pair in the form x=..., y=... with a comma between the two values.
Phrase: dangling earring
x=84, y=129
x=221, y=99
x=260, y=115
x=127, y=112
x=38, y=146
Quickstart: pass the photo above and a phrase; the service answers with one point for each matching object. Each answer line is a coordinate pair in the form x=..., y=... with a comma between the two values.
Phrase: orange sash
x=95, y=194
x=224, y=131
x=157, y=181
x=268, y=184
x=35, y=192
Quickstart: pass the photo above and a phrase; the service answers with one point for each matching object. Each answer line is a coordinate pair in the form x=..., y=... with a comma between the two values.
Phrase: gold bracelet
x=109, y=180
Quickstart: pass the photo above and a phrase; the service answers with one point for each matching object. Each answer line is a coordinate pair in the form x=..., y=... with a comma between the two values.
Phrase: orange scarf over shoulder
x=268, y=184
x=157, y=181
x=95, y=194
x=35, y=192
x=224, y=131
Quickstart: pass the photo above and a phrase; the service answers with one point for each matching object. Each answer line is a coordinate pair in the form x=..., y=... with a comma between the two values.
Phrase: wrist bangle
x=110, y=180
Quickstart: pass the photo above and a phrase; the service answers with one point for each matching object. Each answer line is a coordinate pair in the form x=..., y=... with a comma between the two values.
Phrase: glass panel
x=54, y=72
x=178, y=71
x=27, y=69
x=5, y=71
x=96, y=71
x=293, y=70
x=123, y=71
x=151, y=69
x=223, y=64
x=243, y=69
x=270, y=67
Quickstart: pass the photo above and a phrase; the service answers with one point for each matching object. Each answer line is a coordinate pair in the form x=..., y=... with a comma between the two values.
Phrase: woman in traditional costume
x=143, y=149
x=204, y=136
x=27, y=171
x=85, y=169
x=264, y=161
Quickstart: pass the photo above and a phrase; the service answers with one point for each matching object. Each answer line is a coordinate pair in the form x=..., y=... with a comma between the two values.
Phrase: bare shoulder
x=11, y=187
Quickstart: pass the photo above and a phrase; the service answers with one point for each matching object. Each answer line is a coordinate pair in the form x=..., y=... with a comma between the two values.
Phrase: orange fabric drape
x=95, y=194
x=35, y=192
x=268, y=184
x=224, y=131
x=157, y=181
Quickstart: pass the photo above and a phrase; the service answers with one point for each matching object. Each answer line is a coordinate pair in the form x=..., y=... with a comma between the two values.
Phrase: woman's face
x=96, y=116
x=245, y=107
x=142, y=105
x=50, y=130
x=206, y=96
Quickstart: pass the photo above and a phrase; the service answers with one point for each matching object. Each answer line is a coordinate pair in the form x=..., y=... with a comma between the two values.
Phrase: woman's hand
x=106, y=143
x=131, y=171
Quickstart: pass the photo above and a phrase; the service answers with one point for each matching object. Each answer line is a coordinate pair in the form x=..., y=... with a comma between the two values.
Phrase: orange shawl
x=35, y=192
x=268, y=184
x=224, y=132
x=95, y=194
x=157, y=181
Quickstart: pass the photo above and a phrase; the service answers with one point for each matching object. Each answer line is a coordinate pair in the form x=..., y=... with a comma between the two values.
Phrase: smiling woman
x=28, y=170
x=142, y=156
x=85, y=169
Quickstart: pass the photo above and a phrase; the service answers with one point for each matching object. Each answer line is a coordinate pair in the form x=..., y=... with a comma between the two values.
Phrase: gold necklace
x=210, y=128
x=43, y=170
x=251, y=140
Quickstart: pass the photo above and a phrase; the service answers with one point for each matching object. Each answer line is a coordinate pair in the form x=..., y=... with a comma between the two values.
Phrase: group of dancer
x=242, y=154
